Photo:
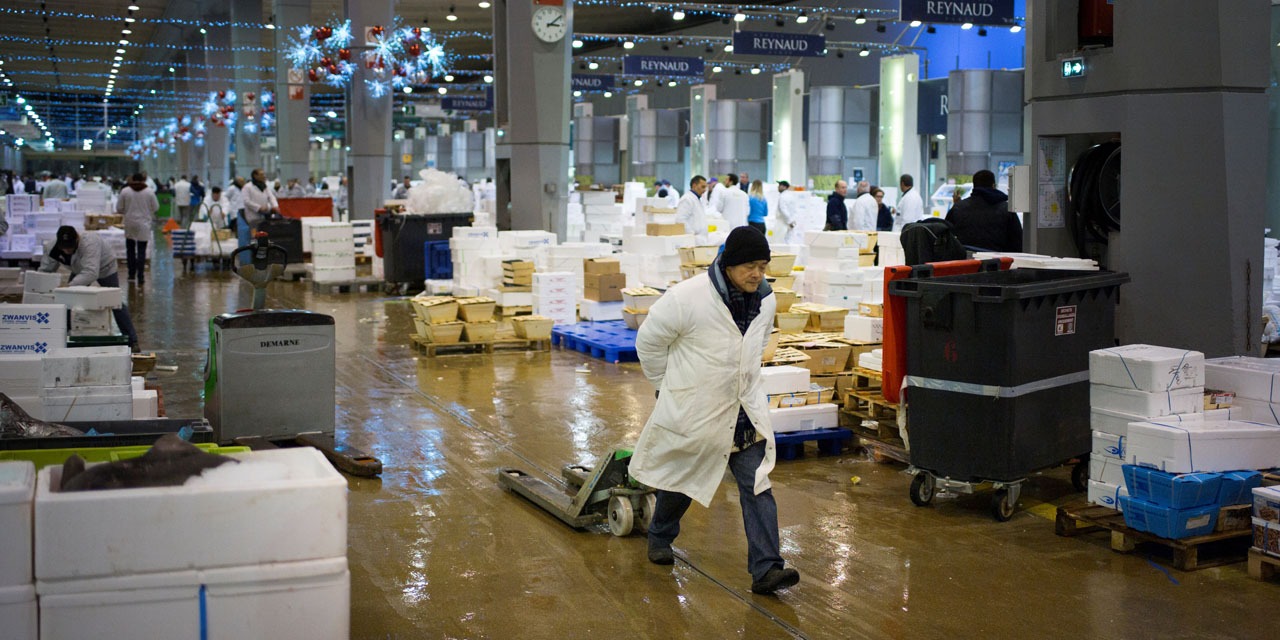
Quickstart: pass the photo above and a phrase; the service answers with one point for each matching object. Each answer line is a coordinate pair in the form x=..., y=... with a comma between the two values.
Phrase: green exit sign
x=1073, y=68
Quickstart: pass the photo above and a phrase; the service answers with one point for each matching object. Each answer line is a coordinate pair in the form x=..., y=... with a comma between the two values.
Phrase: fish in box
x=1266, y=536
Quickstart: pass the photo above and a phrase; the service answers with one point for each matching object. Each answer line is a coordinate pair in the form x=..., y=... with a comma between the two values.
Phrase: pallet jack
x=270, y=373
x=590, y=495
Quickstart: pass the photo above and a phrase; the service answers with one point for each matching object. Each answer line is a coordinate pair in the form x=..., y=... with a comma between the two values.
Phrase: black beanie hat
x=745, y=244
x=67, y=237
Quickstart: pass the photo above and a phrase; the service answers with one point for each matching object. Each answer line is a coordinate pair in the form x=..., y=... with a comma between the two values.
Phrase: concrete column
x=368, y=129
x=536, y=111
x=248, y=146
x=292, y=129
x=1273, y=154
x=217, y=140
x=788, y=128
x=899, y=142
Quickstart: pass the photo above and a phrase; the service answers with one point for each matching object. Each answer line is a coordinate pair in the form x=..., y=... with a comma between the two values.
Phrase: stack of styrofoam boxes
x=603, y=282
x=656, y=259
x=524, y=245
x=146, y=402
x=832, y=275
x=10, y=284
x=362, y=235
x=555, y=295
x=307, y=223
x=70, y=215
x=27, y=333
x=468, y=249
x=891, y=252
x=1255, y=383
x=21, y=242
x=791, y=380
x=44, y=226
x=1266, y=520
x=249, y=550
x=92, y=201
x=333, y=252
x=88, y=384
x=575, y=221
x=37, y=287
x=1131, y=384
x=17, y=589
x=602, y=213
x=569, y=257
x=655, y=210
x=115, y=242
x=90, y=308
x=21, y=378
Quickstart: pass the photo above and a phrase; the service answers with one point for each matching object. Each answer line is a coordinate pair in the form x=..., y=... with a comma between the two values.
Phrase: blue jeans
x=244, y=235
x=759, y=514
x=122, y=314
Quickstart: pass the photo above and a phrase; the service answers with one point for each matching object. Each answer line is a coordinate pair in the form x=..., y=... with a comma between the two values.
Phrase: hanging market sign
x=661, y=66
x=955, y=11
x=468, y=103
x=765, y=43
x=583, y=82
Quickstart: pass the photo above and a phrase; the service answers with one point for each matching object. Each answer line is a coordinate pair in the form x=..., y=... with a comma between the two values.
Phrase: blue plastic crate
x=1238, y=486
x=790, y=445
x=610, y=341
x=1176, y=491
x=438, y=259
x=1169, y=523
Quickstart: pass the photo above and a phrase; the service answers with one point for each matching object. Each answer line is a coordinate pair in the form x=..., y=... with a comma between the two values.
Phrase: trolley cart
x=997, y=384
x=590, y=495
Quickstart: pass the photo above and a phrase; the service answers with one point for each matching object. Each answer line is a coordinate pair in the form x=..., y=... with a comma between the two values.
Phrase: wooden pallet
x=885, y=451
x=1270, y=478
x=866, y=380
x=507, y=312
x=359, y=285
x=1219, y=549
x=1263, y=566
x=501, y=345
x=871, y=405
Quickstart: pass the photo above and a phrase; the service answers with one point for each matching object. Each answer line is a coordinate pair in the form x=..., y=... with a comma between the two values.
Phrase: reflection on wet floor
x=438, y=550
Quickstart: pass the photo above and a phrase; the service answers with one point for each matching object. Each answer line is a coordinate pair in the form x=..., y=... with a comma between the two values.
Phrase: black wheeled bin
x=998, y=368
x=285, y=233
x=403, y=237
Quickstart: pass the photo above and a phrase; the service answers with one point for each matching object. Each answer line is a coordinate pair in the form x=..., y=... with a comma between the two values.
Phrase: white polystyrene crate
x=146, y=404
x=88, y=404
x=1145, y=367
x=813, y=416
x=334, y=274
x=863, y=328
x=79, y=297
x=17, y=488
x=1107, y=495
x=1108, y=444
x=1251, y=410
x=33, y=317
x=21, y=374
x=1255, y=378
x=283, y=505
x=29, y=297
x=18, y=612
x=1117, y=422
x=596, y=311
x=1106, y=469
x=88, y=367
x=1145, y=403
x=294, y=600
x=39, y=282
x=784, y=379
x=32, y=341
x=1209, y=446
x=90, y=322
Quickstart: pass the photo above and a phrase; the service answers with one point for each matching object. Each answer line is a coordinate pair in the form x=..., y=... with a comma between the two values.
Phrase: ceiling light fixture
x=593, y=65
x=671, y=83
x=488, y=79
x=678, y=14
x=739, y=16
x=452, y=17
x=717, y=69
x=127, y=32
x=123, y=42
x=331, y=114
x=311, y=119
x=1017, y=27
x=607, y=94
x=269, y=26
x=130, y=20
x=915, y=23
x=203, y=31
x=802, y=18
x=628, y=45
x=442, y=90
x=864, y=52
x=967, y=26
x=448, y=78
x=134, y=7
x=578, y=44
x=755, y=71
x=485, y=4
x=860, y=19
x=408, y=89
x=728, y=48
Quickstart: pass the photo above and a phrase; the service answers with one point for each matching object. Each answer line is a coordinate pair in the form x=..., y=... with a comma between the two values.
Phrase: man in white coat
x=735, y=204
x=690, y=211
x=864, y=211
x=701, y=347
x=910, y=204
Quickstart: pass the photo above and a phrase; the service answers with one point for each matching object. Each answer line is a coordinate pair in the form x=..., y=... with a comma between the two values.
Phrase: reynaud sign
x=661, y=66
x=586, y=82
x=764, y=43
x=976, y=11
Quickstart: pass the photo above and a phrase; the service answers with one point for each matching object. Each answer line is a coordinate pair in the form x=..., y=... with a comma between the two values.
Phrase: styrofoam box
x=1251, y=410
x=33, y=317
x=863, y=328
x=1266, y=503
x=1107, y=495
x=37, y=298
x=1147, y=368
x=1108, y=444
x=17, y=488
x=38, y=282
x=88, y=404
x=18, y=612
x=1189, y=447
x=1106, y=469
x=813, y=416
x=596, y=311
x=21, y=374
x=475, y=232
x=146, y=404
x=89, y=297
x=1146, y=403
x=335, y=274
x=88, y=367
x=784, y=379
x=1255, y=378
x=1117, y=422
x=282, y=505
x=31, y=342
x=301, y=600
x=138, y=383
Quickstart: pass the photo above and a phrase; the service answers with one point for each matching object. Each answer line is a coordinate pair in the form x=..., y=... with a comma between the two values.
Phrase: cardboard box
x=601, y=266
x=656, y=229
x=826, y=358
x=604, y=287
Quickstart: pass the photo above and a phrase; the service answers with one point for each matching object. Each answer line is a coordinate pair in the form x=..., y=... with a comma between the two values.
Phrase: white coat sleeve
x=120, y=204
x=655, y=337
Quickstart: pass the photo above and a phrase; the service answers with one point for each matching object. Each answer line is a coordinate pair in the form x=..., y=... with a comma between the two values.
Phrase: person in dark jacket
x=837, y=212
x=884, y=219
x=983, y=220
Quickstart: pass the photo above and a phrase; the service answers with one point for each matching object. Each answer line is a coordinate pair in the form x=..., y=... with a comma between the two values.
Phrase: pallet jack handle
x=267, y=264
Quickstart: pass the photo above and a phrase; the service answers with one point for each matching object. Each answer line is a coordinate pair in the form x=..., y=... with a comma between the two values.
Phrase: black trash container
x=998, y=368
x=285, y=233
x=403, y=237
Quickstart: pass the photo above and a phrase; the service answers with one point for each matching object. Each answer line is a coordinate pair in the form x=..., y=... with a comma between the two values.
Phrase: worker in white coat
x=715, y=196
x=690, y=211
x=701, y=347
x=787, y=211
x=90, y=261
x=910, y=205
x=864, y=210
x=138, y=205
x=735, y=204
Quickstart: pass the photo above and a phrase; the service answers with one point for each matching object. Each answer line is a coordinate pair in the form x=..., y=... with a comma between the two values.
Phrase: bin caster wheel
x=922, y=489
x=621, y=516
x=1080, y=476
x=1001, y=506
x=647, y=504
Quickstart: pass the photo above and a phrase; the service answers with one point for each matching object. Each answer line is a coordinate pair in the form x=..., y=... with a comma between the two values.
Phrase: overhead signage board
x=765, y=43
x=931, y=109
x=585, y=82
x=468, y=103
x=995, y=12
x=661, y=66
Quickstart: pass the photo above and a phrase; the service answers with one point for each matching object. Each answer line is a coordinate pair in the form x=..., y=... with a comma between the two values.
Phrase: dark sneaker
x=661, y=555
x=777, y=578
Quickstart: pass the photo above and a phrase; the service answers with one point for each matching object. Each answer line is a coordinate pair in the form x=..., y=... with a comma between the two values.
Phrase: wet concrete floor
x=438, y=550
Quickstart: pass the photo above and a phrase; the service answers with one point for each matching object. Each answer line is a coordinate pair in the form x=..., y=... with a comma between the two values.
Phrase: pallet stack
x=555, y=296
x=1264, y=557
x=90, y=308
x=636, y=303
x=333, y=252
x=603, y=282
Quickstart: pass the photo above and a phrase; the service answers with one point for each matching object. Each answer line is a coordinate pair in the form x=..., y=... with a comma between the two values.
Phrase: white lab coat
x=787, y=213
x=704, y=368
x=690, y=213
x=910, y=209
x=182, y=193
x=139, y=210
x=715, y=197
x=673, y=197
x=863, y=213
x=735, y=206
x=219, y=211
